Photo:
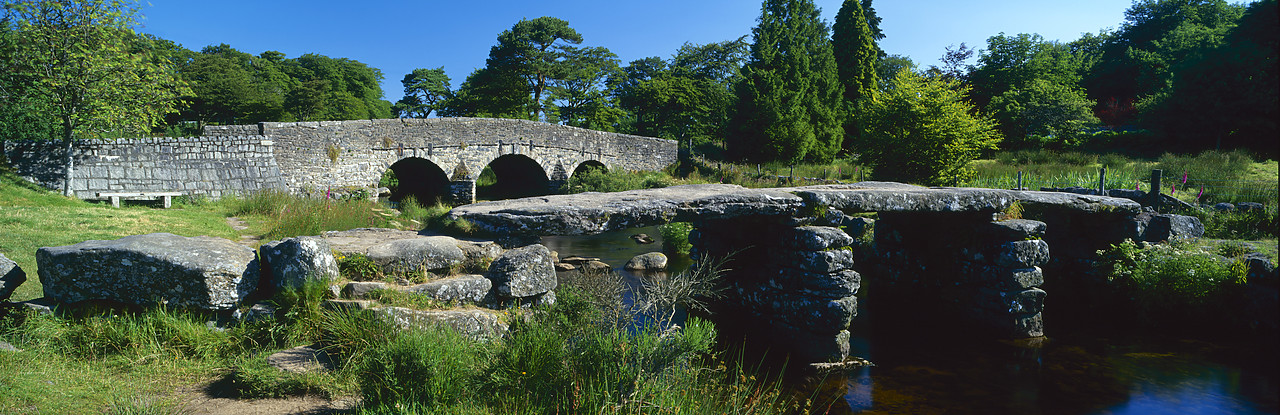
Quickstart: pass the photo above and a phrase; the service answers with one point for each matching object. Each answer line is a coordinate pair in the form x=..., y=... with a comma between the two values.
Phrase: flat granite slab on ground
x=592, y=213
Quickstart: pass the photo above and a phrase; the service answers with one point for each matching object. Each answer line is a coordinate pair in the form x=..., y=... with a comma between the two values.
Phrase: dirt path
x=199, y=401
x=238, y=224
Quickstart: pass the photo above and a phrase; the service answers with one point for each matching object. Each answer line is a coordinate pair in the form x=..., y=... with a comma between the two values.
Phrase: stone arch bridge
x=432, y=158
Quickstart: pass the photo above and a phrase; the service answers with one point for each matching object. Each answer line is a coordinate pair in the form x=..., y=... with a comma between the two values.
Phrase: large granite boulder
x=1164, y=227
x=652, y=261
x=459, y=289
x=523, y=272
x=11, y=276
x=160, y=268
x=403, y=256
x=291, y=262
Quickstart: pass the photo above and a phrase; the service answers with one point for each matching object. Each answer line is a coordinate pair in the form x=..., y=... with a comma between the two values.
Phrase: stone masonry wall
x=364, y=149
x=207, y=166
x=794, y=287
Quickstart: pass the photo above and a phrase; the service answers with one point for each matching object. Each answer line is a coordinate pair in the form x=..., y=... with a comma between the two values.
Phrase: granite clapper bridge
x=801, y=253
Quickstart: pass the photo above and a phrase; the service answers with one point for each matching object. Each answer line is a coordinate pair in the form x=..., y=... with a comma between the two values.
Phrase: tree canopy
x=78, y=68
x=924, y=131
x=790, y=101
x=424, y=92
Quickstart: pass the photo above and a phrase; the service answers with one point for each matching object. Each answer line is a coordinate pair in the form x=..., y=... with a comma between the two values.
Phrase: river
x=1073, y=371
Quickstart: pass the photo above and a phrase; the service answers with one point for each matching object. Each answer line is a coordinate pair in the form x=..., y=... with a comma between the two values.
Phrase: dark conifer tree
x=790, y=101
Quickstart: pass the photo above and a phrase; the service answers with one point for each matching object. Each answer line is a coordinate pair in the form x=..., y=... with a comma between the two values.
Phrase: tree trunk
x=68, y=162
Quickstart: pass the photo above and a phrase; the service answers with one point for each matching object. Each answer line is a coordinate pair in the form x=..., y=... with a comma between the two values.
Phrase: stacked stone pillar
x=789, y=286
x=966, y=267
x=462, y=185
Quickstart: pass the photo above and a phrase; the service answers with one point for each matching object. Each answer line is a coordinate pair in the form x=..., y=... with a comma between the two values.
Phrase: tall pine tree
x=790, y=101
x=855, y=51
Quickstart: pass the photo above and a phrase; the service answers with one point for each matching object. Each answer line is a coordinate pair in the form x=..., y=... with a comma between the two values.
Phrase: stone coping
x=592, y=213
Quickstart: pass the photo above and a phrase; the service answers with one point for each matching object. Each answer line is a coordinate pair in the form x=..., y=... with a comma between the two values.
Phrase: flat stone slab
x=300, y=359
x=592, y=213
x=476, y=324
x=358, y=241
x=898, y=197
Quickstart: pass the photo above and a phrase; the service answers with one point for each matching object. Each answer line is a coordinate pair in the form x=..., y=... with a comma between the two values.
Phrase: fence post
x=1020, y=180
x=1154, y=194
x=1102, y=181
x=791, y=177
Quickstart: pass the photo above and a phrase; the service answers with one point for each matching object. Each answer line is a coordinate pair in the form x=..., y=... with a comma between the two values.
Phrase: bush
x=675, y=237
x=1254, y=224
x=1170, y=285
x=428, y=367
x=601, y=180
x=923, y=131
x=357, y=267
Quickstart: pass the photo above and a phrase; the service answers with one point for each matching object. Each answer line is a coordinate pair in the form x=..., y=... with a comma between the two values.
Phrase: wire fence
x=1198, y=190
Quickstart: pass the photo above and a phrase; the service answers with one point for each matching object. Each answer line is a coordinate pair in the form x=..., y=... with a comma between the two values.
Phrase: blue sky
x=398, y=36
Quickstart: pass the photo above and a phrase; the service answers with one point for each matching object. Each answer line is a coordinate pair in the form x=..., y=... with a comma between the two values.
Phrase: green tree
x=580, y=93
x=490, y=92
x=518, y=72
x=83, y=66
x=352, y=90
x=856, y=56
x=888, y=68
x=1226, y=98
x=790, y=101
x=855, y=51
x=1031, y=86
x=688, y=100
x=923, y=131
x=424, y=91
x=1043, y=113
x=233, y=87
x=1139, y=59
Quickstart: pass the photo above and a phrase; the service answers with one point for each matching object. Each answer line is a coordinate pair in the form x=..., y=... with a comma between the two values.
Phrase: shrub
x=923, y=131
x=1170, y=285
x=429, y=367
x=1254, y=224
x=349, y=334
x=301, y=308
x=675, y=237
x=253, y=378
x=357, y=267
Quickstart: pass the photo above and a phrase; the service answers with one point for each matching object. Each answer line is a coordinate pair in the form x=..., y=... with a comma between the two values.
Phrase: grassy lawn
x=32, y=217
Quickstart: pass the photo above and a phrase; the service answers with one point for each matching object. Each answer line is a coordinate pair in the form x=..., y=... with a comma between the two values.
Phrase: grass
x=32, y=217
x=1225, y=176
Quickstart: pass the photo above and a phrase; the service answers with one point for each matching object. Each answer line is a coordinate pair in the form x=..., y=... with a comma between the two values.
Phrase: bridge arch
x=587, y=165
x=420, y=178
x=514, y=175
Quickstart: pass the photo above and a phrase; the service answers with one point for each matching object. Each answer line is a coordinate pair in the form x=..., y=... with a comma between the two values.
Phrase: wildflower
x=1198, y=195
x=1184, y=177
x=1137, y=185
x=1173, y=188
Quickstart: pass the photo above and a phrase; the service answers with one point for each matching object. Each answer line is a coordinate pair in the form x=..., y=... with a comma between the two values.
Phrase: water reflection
x=615, y=249
x=951, y=373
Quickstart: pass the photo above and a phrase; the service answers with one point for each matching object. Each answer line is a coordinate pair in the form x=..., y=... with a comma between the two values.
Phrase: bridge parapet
x=358, y=152
x=203, y=166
